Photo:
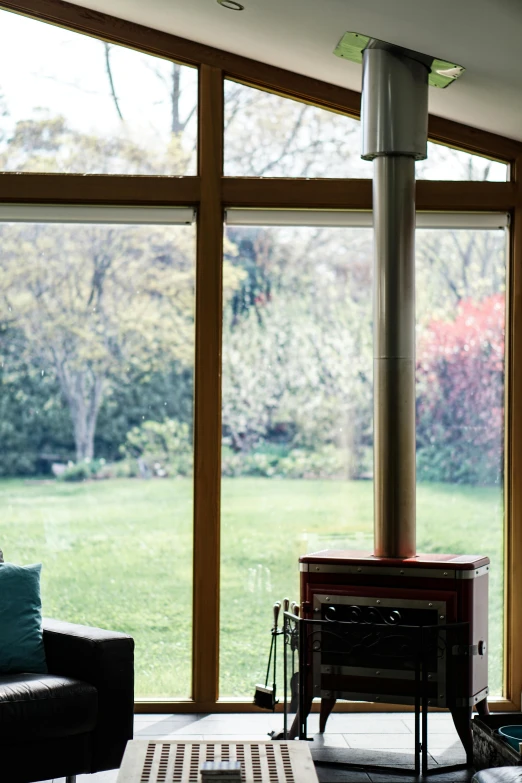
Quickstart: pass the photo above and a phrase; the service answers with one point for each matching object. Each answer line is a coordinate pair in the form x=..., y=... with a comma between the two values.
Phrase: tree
x=95, y=301
x=460, y=408
x=296, y=353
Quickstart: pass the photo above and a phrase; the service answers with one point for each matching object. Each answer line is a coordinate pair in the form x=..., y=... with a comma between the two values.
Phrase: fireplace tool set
x=265, y=695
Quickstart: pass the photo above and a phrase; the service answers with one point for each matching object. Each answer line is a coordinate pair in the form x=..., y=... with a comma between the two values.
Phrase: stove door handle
x=471, y=649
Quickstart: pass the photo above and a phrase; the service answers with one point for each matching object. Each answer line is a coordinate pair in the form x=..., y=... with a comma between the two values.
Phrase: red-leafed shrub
x=460, y=395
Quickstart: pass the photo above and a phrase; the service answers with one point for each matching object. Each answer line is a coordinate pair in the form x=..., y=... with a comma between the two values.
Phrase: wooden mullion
x=236, y=706
x=247, y=192
x=357, y=194
x=207, y=398
x=269, y=77
x=513, y=464
x=26, y=188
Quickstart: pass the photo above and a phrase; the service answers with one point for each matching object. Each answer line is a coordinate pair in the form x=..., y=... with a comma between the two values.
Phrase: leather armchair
x=77, y=718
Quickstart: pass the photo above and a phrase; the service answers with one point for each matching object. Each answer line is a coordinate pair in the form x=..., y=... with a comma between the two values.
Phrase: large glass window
x=96, y=387
x=72, y=103
x=267, y=135
x=297, y=415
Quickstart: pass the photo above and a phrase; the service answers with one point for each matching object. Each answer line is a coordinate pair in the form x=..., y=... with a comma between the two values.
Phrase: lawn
x=119, y=553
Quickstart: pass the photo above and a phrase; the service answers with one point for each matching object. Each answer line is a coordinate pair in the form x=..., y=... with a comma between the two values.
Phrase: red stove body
x=424, y=590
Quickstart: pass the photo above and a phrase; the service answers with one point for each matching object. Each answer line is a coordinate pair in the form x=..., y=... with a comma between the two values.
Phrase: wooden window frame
x=211, y=193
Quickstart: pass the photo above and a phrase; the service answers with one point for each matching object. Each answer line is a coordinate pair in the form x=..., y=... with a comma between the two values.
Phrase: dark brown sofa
x=76, y=719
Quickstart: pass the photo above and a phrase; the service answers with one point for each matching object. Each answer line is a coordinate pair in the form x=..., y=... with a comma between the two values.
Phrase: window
x=71, y=103
x=446, y=163
x=270, y=136
x=461, y=281
x=297, y=458
x=96, y=385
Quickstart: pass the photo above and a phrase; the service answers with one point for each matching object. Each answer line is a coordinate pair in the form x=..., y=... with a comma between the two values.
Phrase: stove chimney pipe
x=395, y=130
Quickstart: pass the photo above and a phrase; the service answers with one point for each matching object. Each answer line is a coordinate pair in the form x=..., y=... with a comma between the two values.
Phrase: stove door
x=370, y=650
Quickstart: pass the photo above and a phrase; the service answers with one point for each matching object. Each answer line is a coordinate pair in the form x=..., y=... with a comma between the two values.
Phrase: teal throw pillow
x=21, y=642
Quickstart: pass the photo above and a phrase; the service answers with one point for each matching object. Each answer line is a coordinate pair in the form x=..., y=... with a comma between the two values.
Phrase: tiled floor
x=376, y=738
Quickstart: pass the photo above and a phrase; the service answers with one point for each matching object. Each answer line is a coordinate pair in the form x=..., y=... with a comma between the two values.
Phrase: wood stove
x=425, y=590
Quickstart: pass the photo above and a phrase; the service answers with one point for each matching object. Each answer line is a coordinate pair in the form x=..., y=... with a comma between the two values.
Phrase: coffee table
x=178, y=761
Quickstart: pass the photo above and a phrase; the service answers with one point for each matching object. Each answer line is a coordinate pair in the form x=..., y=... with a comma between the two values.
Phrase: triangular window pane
x=74, y=104
x=268, y=135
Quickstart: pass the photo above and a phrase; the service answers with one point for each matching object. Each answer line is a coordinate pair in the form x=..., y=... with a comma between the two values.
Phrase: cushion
x=35, y=706
x=499, y=775
x=21, y=643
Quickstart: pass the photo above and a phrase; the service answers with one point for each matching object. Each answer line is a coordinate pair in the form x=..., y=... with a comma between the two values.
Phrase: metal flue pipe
x=395, y=130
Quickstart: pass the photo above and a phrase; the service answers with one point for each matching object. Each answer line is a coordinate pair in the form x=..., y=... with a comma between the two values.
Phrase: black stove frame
x=379, y=636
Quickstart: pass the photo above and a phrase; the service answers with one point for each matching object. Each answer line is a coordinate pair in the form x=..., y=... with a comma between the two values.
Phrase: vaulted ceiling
x=485, y=36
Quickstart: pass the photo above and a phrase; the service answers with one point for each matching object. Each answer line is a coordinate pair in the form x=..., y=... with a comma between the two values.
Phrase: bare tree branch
x=108, y=68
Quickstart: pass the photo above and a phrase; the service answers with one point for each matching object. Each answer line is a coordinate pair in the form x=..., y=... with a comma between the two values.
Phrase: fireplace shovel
x=265, y=696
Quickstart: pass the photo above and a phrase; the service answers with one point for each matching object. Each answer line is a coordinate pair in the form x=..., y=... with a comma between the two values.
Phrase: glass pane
x=96, y=377
x=446, y=163
x=71, y=103
x=297, y=415
x=270, y=136
x=297, y=422
x=460, y=404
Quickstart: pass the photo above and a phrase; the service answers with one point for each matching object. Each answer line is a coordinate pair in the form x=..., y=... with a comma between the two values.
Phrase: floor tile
x=361, y=724
x=166, y=726
x=99, y=777
x=327, y=775
x=364, y=756
x=381, y=741
x=451, y=756
x=328, y=741
x=452, y=777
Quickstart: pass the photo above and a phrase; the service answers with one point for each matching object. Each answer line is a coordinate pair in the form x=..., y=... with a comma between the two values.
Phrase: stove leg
x=462, y=720
x=482, y=707
x=327, y=706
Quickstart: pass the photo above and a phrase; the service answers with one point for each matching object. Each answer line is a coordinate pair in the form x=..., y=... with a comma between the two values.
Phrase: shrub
x=123, y=468
x=160, y=448
x=460, y=391
x=326, y=463
x=83, y=470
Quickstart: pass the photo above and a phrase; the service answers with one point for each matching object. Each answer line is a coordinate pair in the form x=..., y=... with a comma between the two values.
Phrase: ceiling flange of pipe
x=442, y=73
x=394, y=109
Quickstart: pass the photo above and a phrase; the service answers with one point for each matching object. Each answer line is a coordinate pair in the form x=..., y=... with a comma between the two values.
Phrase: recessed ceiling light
x=231, y=5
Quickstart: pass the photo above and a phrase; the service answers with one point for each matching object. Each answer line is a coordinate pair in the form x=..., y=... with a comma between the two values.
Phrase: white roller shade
x=339, y=218
x=34, y=213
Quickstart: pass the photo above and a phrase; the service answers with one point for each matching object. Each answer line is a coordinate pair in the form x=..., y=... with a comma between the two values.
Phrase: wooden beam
x=357, y=194
x=278, y=193
x=259, y=74
x=513, y=465
x=207, y=398
x=297, y=193
x=466, y=196
x=98, y=189
x=474, y=140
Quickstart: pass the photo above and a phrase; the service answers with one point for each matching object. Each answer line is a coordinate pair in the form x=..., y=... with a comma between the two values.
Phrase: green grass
x=119, y=554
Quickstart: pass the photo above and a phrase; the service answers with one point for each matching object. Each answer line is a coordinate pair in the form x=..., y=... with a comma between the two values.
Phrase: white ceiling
x=485, y=36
